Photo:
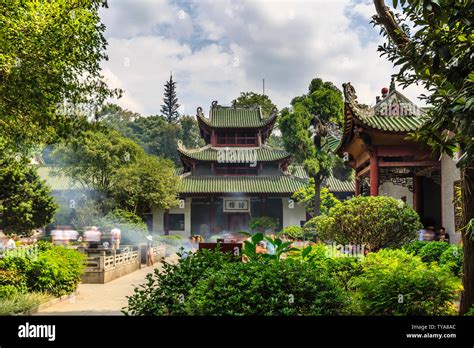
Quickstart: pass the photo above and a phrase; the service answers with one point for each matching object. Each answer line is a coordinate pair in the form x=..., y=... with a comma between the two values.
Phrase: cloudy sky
x=216, y=49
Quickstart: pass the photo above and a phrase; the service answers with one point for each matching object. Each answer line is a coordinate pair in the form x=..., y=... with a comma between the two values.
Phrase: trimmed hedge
x=258, y=288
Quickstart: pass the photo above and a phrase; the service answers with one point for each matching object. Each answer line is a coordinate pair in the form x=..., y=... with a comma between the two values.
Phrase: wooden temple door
x=238, y=222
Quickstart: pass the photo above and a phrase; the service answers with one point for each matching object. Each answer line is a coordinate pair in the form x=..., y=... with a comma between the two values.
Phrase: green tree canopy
x=305, y=129
x=249, y=99
x=50, y=57
x=148, y=182
x=25, y=200
x=93, y=158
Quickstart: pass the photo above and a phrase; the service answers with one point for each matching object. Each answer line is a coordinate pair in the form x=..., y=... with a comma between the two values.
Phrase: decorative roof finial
x=214, y=104
x=392, y=84
x=199, y=110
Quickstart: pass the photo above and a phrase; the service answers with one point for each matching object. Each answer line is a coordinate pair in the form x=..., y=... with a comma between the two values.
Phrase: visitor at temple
x=270, y=247
x=11, y=243
x=92, y=237
x=442, y=235
x=421, y=234
x=261, y=248
x=115, y=236
x=150, y=260
x=430, y=234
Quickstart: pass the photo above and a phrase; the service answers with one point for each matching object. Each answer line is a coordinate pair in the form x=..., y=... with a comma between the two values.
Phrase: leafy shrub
x=374, y=221
x=394, y=282
x=263, y=224
x=12, y=281
x=166, y=290
x=56, y=271
x=452, y=257
x=340, y=267
x=293, y=232
x=259, y=288
x=432, y=251
x=415, y=246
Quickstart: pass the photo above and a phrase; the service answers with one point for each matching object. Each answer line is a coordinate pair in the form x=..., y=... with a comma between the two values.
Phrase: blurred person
x=430, y=234
x=261, y=248
x=270, y=246
x=150, y=259
x=11, y=243
x=115, y=238
x=443, y=236
x=421, y=234
x=92, y=237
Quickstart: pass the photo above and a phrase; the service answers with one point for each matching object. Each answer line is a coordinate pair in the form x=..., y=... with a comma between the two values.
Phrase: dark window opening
x=176, y=222
x=235, y=169
x=236, y=138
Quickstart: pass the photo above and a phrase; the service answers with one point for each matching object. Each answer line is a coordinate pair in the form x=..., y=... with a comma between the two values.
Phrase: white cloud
x=218, y=49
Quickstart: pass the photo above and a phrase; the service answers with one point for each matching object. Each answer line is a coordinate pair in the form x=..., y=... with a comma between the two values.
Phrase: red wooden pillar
x=357, y=185
x=417, y=194
x=374, y=174
x=213, y=139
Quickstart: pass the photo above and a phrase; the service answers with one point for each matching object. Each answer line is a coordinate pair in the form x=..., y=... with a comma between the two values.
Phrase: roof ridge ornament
x=214, y=104
x=350, y=97
x=199, y=110
x=392, y=84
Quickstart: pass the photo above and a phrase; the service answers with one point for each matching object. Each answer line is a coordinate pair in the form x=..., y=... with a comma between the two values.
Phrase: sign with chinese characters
x=236, y=205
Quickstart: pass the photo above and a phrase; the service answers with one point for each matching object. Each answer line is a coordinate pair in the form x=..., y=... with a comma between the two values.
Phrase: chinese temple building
x=387, y=161
x=236, y=177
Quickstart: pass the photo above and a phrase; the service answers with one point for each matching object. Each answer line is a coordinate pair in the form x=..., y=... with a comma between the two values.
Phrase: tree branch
x=386, y=18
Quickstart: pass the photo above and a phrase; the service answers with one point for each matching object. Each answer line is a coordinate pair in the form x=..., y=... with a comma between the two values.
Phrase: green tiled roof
x=208, y=153
x=57, y=182
x=230, y=117
x=332, y=183
x=243, y=184
x=393, y=123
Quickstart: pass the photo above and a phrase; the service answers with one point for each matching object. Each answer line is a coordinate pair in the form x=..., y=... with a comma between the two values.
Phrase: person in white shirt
x=115, y=238
x=11, y=244
x=92, y=236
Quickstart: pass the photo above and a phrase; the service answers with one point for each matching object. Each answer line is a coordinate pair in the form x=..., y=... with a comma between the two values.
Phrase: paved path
x=101, y=299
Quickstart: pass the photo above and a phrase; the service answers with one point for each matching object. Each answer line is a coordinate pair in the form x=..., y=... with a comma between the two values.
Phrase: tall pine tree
x=170, y=107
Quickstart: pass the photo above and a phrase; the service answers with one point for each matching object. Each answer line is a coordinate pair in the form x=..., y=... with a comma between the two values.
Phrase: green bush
x=166, y=290
x=374, y=221
x=415, y=246
x=394, y=282
x=293, y=232
x=56, y=271
x=259, y=288
x=452, y=257
x=432, y=251
x=12, y=281
x=340, y=267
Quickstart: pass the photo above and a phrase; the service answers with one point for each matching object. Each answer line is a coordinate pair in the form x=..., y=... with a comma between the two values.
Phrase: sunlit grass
x=20, y=303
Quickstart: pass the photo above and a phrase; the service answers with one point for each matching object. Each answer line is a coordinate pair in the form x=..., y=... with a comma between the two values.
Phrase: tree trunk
x=467, y=189
x=317, y=197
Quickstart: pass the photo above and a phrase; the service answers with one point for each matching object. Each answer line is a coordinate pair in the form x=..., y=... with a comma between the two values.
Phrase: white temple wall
x=396, y=191
x=449, y=174
x=292, y=216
